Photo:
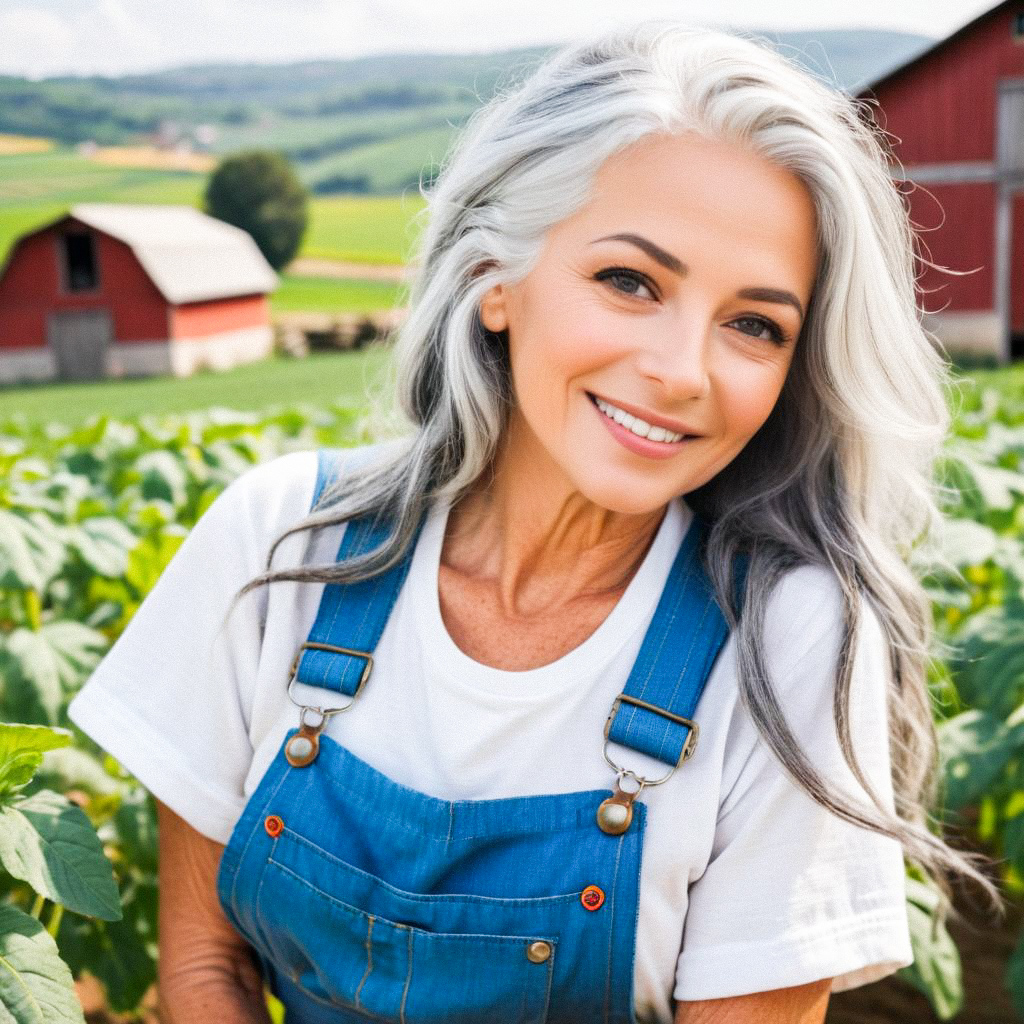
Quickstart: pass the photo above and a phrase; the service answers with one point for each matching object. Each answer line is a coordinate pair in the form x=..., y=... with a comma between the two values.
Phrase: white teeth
x=636, y=425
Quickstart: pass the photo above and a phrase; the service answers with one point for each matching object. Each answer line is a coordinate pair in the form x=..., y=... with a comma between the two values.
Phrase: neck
x=537, y=541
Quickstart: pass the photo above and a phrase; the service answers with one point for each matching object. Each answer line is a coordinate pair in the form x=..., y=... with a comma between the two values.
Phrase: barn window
x=80, y=271
x=1018, y=25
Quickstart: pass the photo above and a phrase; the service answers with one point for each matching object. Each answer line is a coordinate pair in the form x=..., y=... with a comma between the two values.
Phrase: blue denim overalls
x=367, y=900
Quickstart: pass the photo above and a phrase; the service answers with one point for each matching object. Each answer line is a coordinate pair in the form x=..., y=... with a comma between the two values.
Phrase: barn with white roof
x=112, y=290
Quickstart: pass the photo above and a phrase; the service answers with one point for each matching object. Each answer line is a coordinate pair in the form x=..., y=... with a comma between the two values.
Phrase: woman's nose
x=677, y=356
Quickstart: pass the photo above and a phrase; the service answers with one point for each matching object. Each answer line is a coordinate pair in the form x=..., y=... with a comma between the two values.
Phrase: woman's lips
x=640, y=445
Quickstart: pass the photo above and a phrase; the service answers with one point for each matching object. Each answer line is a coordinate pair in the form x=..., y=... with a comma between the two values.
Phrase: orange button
x=274, y=826
x=592, y=897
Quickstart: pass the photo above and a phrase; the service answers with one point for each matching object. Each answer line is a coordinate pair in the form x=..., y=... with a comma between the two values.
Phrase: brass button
x=537, y=952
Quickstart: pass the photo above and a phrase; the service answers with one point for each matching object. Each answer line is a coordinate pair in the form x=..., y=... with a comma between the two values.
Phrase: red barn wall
x=201, y=319
x=30, y=289
x=942, y=110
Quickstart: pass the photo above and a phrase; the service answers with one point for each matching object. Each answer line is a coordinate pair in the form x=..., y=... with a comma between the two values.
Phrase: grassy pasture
x=301, y=294
x=318, y=379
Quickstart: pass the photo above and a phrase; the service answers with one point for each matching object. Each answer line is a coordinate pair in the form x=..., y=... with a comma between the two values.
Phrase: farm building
x=119, y=290
x=956, y=110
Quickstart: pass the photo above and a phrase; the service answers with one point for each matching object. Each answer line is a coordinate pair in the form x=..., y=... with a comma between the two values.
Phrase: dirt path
x=360, y=271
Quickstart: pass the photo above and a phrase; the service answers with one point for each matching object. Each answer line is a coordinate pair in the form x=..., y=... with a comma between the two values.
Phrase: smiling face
x=676, y=295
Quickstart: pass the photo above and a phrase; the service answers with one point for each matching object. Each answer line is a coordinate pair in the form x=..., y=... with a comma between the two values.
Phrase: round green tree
x=258, y=190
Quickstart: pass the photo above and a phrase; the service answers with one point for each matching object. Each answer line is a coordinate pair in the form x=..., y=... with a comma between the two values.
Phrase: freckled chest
x=479, y=627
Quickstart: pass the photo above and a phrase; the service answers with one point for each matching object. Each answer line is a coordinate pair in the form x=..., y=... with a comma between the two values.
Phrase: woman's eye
x=626, y=281
x=775, y=333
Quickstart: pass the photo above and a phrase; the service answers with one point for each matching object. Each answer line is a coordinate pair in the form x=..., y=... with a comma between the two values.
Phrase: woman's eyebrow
x=670, y=262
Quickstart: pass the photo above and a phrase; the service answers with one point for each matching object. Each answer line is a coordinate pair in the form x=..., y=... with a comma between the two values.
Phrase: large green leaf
x=103, y=543
x=936, y=970
x=54, y=659
x=966, y=542
x=51, y=844
x=974, y=747
x=36, y=986
x=989, y=659
x=31, y=552
x=163, y=476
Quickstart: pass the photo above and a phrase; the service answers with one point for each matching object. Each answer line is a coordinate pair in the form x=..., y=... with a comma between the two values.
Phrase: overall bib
x=367, y=900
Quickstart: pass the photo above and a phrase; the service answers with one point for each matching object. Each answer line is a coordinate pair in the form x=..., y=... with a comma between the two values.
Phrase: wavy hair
x=840, y=475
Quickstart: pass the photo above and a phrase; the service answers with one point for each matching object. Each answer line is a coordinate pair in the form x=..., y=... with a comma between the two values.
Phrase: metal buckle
x=688, y=747
x=326, y=712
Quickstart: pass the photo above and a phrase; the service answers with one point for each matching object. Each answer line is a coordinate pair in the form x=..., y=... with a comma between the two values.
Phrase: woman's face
x=675, y=295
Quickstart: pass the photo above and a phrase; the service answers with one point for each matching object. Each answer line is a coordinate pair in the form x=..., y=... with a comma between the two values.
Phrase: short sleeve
x=171, y=699
x=792, y=893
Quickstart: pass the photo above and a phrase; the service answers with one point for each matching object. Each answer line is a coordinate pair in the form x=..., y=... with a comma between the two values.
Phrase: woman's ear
x=493, y=314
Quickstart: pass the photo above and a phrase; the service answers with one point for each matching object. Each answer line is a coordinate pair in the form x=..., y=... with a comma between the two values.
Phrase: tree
x=258, y=190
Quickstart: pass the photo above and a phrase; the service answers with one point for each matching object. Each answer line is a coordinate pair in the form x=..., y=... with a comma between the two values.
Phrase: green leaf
x=31, y=552
x=54, y=659
x=999, y=487
x=103, y=543
x=36, y=986
x=974, y=747
x=163, y=476
x=72, y=768
x=936, y=970
x=966, y=542
x=121, y=954
x=50, y=843
x=21, y=752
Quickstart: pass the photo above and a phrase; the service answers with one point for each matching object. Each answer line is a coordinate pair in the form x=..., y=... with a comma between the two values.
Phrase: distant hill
x=366, y=125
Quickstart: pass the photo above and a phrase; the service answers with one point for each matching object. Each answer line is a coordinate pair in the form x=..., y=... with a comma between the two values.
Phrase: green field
x=298, y=294
x=37, y=187
x=318, y=379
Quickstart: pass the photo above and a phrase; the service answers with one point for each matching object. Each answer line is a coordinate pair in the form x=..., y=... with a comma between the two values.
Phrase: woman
x=662, y=364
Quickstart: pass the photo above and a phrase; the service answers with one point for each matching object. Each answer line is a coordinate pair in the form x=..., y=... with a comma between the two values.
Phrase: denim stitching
x=551, y=973
x=245, y=848
x=664, y=631
x=682, y=675
x=484, y=938
x=337, y=863
x=369, y=959
x=611, y=929
x=408, y=980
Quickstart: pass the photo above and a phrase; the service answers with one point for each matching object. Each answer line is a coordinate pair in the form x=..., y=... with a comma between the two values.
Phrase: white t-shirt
x=746, y=884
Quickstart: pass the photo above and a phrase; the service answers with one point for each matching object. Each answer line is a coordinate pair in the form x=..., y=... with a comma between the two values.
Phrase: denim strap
x=675, y=660
x=670, y=671
x=351, y=615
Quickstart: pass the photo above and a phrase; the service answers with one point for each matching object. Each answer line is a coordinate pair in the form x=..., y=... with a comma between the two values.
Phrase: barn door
x=79, y=342
x=1009, y=276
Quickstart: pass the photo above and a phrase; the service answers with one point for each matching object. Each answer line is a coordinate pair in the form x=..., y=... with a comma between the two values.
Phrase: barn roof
x=189, y=256
x=932, y=46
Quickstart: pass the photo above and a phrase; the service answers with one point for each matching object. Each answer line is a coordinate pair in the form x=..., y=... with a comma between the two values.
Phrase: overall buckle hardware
x=615, y=814
x=304, y=746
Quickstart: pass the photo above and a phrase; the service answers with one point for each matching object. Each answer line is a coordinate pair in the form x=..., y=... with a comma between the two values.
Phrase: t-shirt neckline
x=632, y=611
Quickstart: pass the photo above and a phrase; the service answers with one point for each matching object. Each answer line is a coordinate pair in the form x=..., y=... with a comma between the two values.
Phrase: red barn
x=957, y=112
x=118, y=290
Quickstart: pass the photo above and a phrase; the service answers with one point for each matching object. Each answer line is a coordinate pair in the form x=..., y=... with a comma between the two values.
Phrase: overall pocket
x=349, y=939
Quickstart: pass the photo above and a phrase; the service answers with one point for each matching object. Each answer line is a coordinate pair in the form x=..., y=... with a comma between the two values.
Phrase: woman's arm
x=206, y=970
x=801, y=1004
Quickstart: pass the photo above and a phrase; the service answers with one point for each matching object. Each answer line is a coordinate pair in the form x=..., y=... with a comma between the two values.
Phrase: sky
x=39, y=38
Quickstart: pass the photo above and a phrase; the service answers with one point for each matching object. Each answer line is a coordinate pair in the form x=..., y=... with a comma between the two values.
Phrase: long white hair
x=841, y=474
